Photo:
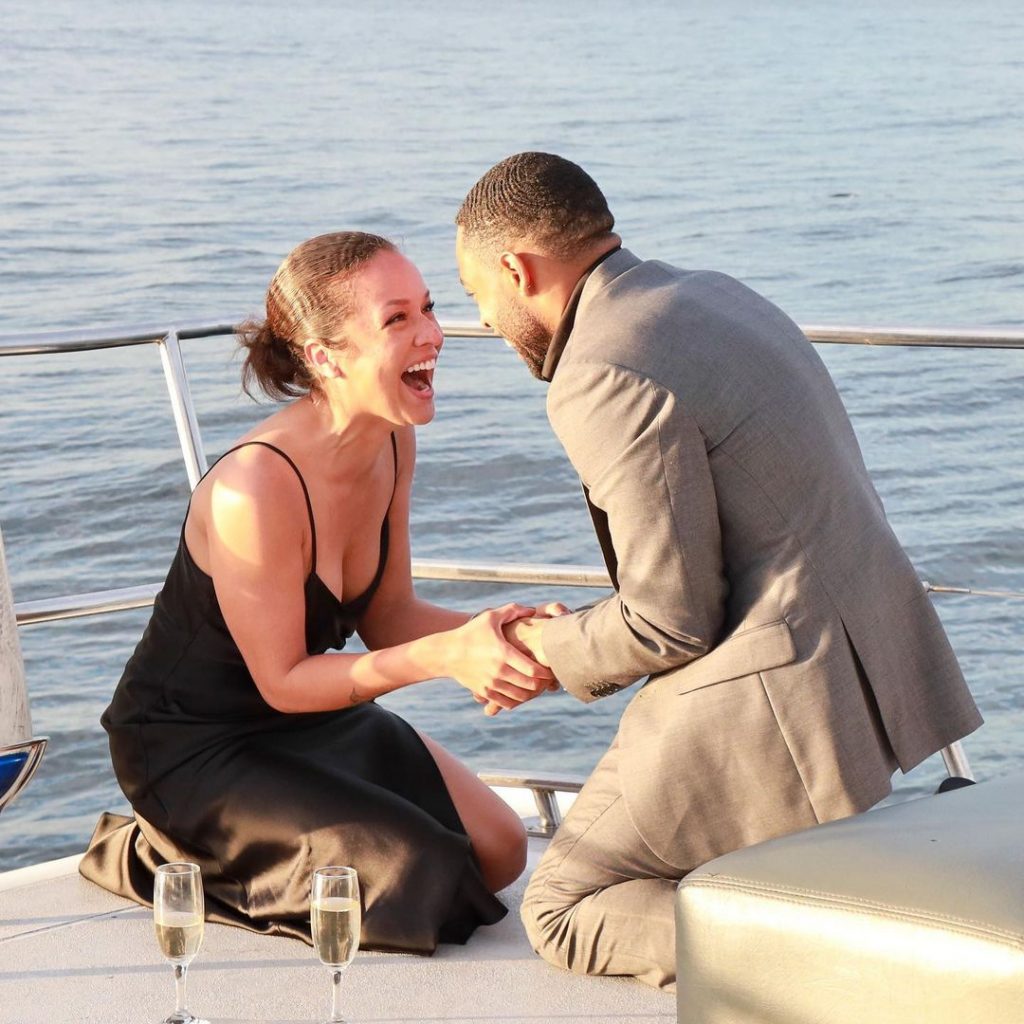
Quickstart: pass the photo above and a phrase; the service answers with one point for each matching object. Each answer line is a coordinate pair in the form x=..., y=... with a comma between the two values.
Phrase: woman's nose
x=432, y=334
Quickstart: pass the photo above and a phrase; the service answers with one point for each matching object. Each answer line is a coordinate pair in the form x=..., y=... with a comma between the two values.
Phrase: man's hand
x=525, y=635
x=480, y=657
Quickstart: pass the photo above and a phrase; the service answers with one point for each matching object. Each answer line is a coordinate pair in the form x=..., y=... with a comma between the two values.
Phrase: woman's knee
x=500, y=847
x=495, y=831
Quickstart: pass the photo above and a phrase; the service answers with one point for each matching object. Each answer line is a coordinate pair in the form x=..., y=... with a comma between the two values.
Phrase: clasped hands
x=501, y=658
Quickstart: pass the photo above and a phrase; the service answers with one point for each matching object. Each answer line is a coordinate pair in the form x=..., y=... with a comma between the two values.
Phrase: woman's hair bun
x=270, y=364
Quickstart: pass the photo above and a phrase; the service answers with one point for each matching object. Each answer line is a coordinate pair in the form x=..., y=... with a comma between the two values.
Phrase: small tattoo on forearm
x=355, y=697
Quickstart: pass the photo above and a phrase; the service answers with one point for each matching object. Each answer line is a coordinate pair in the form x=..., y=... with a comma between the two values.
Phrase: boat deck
x=69, y=951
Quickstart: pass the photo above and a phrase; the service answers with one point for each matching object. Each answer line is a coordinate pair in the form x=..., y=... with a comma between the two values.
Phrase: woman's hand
x=525, y=636
x=496, y=672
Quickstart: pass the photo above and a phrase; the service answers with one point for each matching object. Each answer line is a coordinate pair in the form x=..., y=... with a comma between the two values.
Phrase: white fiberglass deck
x=69, y=951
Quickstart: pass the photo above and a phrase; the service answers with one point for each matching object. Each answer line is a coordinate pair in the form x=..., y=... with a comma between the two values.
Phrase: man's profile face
x=500, y=305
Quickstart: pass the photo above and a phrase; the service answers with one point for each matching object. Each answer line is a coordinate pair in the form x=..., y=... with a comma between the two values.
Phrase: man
x=794, y=658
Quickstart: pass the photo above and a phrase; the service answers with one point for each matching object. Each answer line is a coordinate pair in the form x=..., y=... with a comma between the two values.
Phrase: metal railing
x=150, y=334
x=102, y=602
x=545, y=790
x=916, y=337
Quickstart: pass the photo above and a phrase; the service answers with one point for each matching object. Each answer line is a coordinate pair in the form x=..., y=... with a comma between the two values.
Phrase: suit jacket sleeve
x=645, y=463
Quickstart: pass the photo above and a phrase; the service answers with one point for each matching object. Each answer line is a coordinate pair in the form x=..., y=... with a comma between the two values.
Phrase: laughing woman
x=239, y=741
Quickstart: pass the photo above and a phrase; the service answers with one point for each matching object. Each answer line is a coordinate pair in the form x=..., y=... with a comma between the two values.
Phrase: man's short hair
x=538, y=198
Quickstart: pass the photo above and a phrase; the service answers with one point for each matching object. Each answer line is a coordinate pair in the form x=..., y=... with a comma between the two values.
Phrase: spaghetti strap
x=305, y=491
x=309, y=504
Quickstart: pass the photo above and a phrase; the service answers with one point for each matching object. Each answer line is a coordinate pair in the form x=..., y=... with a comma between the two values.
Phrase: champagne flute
x=335, y=917
x=178, y=919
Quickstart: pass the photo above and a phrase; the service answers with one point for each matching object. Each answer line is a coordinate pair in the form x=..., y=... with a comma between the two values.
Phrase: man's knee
x=548, y=917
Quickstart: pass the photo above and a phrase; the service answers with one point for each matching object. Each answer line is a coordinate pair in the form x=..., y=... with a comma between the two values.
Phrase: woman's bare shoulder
x=257, y=466
x=251, y=487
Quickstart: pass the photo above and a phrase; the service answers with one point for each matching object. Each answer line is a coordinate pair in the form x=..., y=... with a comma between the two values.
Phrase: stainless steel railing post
x=955, y=759
x=184, y=409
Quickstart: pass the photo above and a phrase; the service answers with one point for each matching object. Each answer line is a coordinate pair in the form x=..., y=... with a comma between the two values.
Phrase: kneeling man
x=794, y=660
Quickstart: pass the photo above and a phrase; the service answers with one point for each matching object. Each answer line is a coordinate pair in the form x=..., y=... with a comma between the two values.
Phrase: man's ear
x=321, y=358
x=519, y=271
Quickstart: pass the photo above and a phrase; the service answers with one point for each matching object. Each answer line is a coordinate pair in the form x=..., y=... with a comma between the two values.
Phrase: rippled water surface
x=855, y=164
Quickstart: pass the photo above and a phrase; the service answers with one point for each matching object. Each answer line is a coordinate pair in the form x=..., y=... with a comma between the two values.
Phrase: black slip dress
x=259, y=798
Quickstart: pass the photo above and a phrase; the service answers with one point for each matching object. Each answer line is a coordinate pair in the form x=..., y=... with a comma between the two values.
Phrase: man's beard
x=527, y=335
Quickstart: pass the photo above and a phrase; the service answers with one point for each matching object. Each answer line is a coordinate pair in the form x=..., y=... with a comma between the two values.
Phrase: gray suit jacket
x=749, y=548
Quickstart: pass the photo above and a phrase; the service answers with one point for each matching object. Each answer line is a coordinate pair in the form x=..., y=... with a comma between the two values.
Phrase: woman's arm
x=257, y=543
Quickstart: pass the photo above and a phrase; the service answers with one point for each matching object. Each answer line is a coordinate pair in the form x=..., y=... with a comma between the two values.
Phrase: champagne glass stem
x=336, y=1016
x=180, y=972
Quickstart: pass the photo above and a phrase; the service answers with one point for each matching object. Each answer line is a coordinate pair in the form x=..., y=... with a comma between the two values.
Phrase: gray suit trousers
x=601, y=901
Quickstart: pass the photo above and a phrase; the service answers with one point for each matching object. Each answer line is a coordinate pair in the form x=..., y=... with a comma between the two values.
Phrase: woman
x=240, y=743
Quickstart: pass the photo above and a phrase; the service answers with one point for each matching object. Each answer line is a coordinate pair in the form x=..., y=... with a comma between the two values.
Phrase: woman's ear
x=321, y=359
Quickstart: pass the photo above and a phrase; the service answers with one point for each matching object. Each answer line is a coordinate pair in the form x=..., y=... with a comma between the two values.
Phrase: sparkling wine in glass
x=335, y=917
x=178, y=920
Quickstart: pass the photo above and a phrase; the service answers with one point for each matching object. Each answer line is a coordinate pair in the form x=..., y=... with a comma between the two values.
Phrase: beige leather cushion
x=906, y=914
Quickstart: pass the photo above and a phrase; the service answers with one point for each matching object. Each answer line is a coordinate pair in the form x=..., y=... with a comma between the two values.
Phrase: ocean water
x=856, y=164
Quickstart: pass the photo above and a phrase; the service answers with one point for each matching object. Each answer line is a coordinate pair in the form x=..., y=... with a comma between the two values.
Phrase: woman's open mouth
x=419, y=378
